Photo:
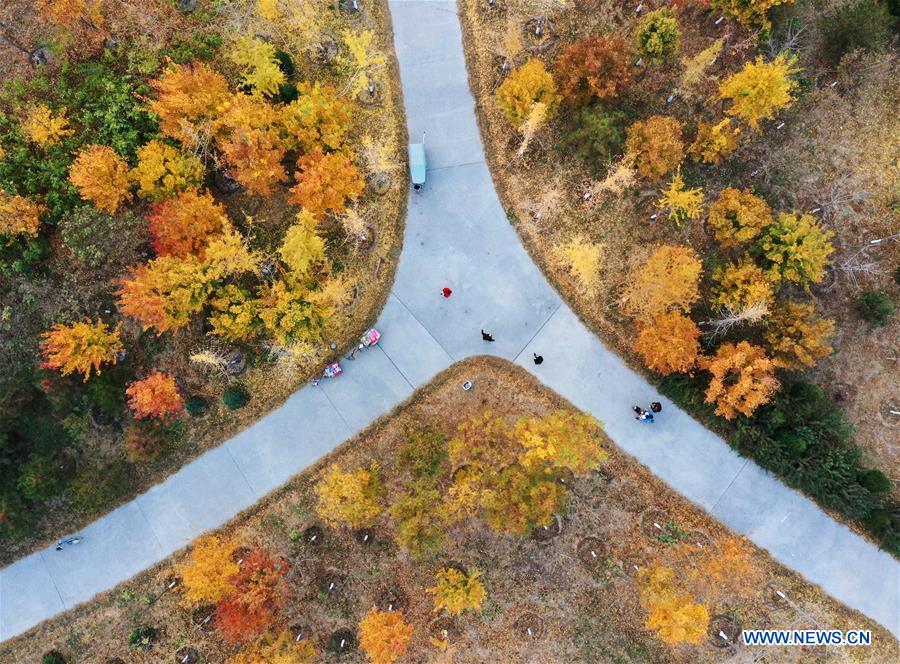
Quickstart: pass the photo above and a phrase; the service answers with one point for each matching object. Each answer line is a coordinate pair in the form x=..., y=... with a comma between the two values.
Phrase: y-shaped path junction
x=457, y=234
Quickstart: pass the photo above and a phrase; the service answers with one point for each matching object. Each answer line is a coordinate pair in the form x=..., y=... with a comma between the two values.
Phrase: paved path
x=456, y=235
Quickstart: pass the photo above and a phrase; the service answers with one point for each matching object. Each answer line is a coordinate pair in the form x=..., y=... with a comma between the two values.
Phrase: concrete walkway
x=456, y=235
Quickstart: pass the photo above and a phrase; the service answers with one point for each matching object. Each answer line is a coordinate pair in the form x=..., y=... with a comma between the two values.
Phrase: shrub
x=53, y=657
x=656, y=145
x=875, y=481
x=86, y=232
x=878, y=521
x=96, y=487
x=142, y=442
x=423, y=452
x=142, y=637
x=196, y=406
x=523, y=88
x=594, y=68
x=40, y=477
x=285, y=63
x=866, y=25
x=875, y=307
x=595, y=135
x=235, y=397
x=456, y=591
x=657, y=36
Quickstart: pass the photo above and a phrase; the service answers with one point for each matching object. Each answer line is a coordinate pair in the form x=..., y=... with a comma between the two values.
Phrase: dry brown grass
x=588, y=616
x=833, y=149
x=379, y=134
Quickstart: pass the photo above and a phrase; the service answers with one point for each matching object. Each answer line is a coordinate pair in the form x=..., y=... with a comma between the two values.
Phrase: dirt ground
x=830, y=157
x=369, y=266
x=580, y=610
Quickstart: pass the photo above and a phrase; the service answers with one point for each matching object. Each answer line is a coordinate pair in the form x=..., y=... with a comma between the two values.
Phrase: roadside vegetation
x=711, y=186
x=496, y=524
x=199, y=207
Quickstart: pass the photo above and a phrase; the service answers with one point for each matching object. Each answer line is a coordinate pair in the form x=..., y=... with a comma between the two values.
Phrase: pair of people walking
x=487, y=336
x=646, y=416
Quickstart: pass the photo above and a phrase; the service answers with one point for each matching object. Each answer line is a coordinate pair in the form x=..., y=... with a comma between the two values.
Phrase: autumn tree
x=163, y=171
x=234, y=313
x=317, y=118
x=694, y=69
x=302, y=245
x=582, y=259
x=743, y=379
x=482, y=440
x=741, y=284
x=727, y=571
x=80, y=22
x=749, y=12
x=206, y=576
x=760, y=89
x=655, y=145
x=43, y=127
x=674, y=616
x=669, y=343
x=165, y=293
x=259, y=590
x=258, y=65
x=797, y=337
x=796, y=248
x=81, y=347
x=528, y=85
x=681, y=203
x=18, y=215
x=281, y=649
x=289, y=312
x=250, y=141
x=456, y=591
x=563, y=439
x=419, y=514
x=667, y=281
x=714, y=142
x=516, y=500
x=594, y=68
x=155, y=396
x=657, y=36
x=182, y=225
x=384, y=635
x=188, y=98
x=101, y=177
x=325, y=182
x=738, y=216
x=351, y=498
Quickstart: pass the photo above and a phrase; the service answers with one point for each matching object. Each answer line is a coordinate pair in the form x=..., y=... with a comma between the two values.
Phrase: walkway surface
x=457, y=235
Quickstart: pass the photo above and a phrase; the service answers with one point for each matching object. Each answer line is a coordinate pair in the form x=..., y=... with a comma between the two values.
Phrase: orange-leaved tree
x=325, y=182
x=166, y=292
x=81, y=347
x=384, y=635
x=667, y=281
x=655, y=145
x=526, y=86
x=182, y=225
x=594, y=68
x=350, y=498
x=673, y=615
x=101, y=177
x=743, y=379
x=742, y=284
x=259, y=590
x=456, y=591
x=155, y=396
x=206, y=576
x=797, y=337
x=18, y=215
x=738, y=216
x=188, y=98
x=669, y=343
x=249, y=138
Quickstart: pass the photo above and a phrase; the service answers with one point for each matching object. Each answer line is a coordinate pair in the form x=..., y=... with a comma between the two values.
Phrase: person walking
x=446, y=292
x=655, y=407
x=67, y=540
x=486, y=336
x=538, y=359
